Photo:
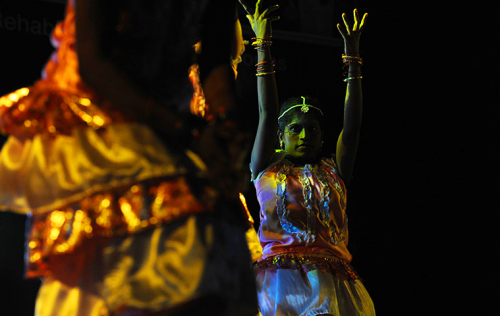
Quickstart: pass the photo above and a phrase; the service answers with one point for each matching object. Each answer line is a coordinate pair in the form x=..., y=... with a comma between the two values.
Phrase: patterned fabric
x=117, y=212
x=302, y=209
x=41, y=109
x=303, y=231
x=308, y=262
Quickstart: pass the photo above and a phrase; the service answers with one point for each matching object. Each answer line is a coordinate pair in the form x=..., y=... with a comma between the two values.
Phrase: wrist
x=352, y=67
x=262, y=44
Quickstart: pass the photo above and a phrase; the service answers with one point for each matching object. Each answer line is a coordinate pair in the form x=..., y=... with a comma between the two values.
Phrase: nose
x=304, y=134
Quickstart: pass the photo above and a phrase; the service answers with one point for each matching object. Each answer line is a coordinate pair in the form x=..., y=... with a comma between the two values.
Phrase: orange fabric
x=60, y=100
x=61, y=71
x=110, y=213
x=275, y=239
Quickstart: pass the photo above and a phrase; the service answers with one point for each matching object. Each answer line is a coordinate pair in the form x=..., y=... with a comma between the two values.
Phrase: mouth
x=304, y=146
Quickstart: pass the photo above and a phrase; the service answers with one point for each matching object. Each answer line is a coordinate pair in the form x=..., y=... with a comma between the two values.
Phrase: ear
x=280, y=135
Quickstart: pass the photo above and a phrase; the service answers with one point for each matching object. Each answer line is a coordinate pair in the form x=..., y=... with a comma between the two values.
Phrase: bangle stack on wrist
x=347, y=61
x=261, y=43
x=265, y=68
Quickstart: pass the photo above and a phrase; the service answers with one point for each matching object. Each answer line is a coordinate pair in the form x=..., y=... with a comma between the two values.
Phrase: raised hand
x=260, y=19
x=351, y=35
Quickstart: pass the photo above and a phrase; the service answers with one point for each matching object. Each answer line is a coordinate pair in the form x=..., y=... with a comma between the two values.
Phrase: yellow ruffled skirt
x=119, y=225
x=152, y=271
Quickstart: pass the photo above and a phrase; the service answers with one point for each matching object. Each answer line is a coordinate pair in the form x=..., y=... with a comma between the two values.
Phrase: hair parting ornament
x=304, y=108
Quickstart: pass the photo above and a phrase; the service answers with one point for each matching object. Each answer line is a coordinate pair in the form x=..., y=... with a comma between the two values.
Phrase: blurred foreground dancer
x=125, y=218
x=305, y=266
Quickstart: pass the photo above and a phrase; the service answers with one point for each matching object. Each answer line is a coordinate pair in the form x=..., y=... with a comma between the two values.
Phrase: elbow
x=352, y=130
x=350, y=136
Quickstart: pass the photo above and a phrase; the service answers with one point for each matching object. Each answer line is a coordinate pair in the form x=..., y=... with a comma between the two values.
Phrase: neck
x=300, y=161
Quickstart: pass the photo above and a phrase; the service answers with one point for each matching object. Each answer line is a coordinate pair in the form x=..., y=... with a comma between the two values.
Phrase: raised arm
x=347, y=143
x=265, y=139
x=99, y=72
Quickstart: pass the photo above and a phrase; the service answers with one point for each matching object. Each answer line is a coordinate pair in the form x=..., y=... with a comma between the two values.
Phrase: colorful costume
x=305, y=266
x=118, y=221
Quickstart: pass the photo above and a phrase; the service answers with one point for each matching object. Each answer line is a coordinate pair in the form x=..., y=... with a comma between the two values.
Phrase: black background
x=421, y=205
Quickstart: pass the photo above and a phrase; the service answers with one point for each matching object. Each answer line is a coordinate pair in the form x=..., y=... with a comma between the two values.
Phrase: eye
x=294, y=129
x=314, y=129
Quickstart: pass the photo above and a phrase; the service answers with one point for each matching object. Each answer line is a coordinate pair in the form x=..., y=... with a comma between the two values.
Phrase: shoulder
x=329, y=162
x=275, y=160
x=331, y=167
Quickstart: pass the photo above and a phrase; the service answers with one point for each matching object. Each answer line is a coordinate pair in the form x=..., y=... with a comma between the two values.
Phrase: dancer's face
x=302, y=137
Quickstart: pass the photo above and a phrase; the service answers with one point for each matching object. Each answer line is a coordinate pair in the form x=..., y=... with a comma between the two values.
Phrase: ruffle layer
x=307, y=262
x=119, y=211
x=43, y=109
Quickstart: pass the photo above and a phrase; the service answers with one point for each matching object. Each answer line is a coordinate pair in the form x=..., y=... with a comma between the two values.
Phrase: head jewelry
x=304, y=108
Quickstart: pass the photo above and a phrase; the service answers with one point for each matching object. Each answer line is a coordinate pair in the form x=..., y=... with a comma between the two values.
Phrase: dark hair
x=285, y=120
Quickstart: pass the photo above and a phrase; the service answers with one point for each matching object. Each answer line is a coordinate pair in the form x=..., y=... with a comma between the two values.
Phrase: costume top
x=302, y=209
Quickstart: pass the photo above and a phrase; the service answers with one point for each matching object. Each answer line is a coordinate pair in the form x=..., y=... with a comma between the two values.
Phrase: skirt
x=311, y=289
x=153, y=271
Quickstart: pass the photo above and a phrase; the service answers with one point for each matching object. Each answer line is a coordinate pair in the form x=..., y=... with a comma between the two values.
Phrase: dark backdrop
x=421, y=221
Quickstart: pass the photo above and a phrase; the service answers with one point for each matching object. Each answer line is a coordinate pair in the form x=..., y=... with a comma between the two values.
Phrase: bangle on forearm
x=260, y=74
x=351, y=59
x=260, y=43
x=265, y=68
x=352, y=78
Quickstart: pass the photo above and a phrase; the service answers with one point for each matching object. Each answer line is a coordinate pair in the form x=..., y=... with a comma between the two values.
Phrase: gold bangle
x=349, y=59
x=260, y=74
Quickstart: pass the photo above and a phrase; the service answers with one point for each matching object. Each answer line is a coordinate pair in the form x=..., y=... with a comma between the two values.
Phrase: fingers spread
x=246, y=7
x=340, y=30
x=362, y=25
x=346, y=23
x=269, y=10
x=250, y=19
x=258, y=7
x=274, y=18
x=355, y=14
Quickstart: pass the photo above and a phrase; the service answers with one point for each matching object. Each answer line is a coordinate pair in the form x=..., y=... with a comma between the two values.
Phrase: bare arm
x=347, y=143
x=264, y=143
x=99, y=72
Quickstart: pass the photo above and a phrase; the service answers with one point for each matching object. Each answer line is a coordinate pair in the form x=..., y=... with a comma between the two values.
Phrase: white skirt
x=293, y=292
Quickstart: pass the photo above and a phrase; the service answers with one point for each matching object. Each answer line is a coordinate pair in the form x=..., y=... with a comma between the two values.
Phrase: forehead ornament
x=304, y=108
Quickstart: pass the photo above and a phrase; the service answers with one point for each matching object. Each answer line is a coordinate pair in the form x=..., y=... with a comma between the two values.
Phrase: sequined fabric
x=40, y=109
x=302, y=208
x=304, y=269
x=307, y=262
x=116, y=212
x=60, y=100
